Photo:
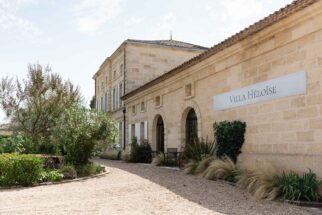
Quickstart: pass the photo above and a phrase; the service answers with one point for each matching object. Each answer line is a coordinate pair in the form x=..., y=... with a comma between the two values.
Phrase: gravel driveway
x=139, y=189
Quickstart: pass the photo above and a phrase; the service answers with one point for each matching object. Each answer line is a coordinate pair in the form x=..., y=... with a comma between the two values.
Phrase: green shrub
x=89, y=169
x=81, y=130
x=100, y=169
x=19, y=169
x=50, y=175
x=111, y=155
x=293, y=186
x=18, y=144
x=25, y=145
x=140, y=153
x=230, y=138
x=52, y=161
x=4, y=136
x=197, y=150
x=46, y=148
x=68, y=172
x=10, y=145
x=28, y=144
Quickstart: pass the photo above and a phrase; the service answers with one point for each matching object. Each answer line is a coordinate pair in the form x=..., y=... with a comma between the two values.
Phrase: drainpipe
x=124, y=110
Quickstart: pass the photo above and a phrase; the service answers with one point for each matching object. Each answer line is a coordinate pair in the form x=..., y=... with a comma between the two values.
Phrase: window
x=114, y=74
x=106, y=102
x=142, y=106
x=102, y=85
x=102, y=104
x=121, y=133
x=142, y=131
x=158, y=101
x=121, y=69
x=132, y=131
x=188, y=90
x=121, y=94
x=114, y=96
x=133, y=109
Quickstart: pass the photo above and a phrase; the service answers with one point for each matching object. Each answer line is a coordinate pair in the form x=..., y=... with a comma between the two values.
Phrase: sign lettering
x=289, y=85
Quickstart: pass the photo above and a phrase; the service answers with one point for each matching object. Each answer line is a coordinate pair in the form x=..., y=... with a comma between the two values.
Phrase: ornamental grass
x=259, y=182
x=220, y=169
x=203, y=164
x=158, y=160
x=191, y=167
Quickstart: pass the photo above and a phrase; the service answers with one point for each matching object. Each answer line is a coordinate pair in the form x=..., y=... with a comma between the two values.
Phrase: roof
x=168, y=43
x=264, y=23
x=161, y=43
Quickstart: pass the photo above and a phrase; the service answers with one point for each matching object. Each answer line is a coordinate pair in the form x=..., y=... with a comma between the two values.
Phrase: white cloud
x=239, y=10
x=131, y=25
x=130, y=22
x=164, y=26
x=11, y=21
x=168, y=22
x=232, y=16
x=92, y=14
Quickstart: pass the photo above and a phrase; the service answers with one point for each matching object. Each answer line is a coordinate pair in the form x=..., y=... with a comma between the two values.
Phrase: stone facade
x=133, y=64
x=286, y=132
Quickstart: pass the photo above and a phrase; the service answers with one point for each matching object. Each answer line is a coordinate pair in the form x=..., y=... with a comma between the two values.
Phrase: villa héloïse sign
x=288, y=85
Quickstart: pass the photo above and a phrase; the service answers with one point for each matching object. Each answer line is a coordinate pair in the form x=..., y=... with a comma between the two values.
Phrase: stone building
x=134, y=63
x=268, y=75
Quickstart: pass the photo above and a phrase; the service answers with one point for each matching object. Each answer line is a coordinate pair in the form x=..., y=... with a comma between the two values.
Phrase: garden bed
x=105, y=171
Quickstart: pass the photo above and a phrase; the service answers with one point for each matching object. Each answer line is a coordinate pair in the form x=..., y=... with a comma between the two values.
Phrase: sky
x=75, y=36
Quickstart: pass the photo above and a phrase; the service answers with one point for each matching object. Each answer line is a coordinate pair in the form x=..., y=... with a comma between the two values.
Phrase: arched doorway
x=191, y=126
x=160, y=135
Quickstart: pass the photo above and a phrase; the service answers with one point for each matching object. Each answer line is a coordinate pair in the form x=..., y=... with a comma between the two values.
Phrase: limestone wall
x=285, y=132
x=144, y=63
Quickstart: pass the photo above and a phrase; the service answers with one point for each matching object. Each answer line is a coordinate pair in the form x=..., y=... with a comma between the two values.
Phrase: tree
x=35, y=104
x=92, y=103
x=80, y=131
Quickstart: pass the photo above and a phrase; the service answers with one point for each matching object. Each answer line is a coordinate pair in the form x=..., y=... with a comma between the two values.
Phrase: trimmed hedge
x=19, y=169
x=230, y=138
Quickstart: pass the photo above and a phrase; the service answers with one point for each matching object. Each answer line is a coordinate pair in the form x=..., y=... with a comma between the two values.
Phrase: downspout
x=124, y=109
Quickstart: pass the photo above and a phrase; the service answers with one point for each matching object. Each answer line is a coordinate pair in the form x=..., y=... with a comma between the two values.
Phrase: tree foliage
x=92, y=103
x=35, y=103
x=81, y=131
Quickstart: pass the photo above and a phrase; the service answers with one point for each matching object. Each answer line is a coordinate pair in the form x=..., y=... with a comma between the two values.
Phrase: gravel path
x=139, y=189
